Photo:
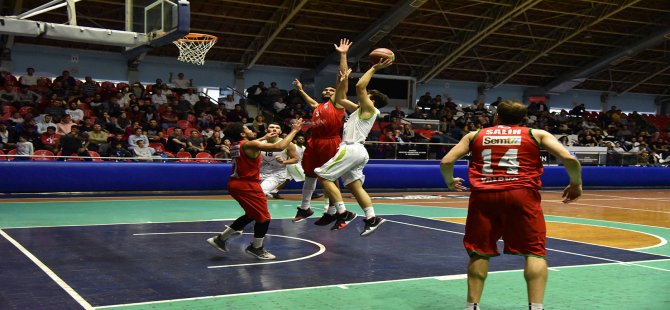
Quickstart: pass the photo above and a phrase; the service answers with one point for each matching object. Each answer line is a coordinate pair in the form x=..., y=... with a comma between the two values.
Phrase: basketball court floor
x=606, y=251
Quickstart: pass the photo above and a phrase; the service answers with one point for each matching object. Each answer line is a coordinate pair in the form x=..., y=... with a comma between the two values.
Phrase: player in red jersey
x=326, y=129
x=504, y=175
x=244, y=186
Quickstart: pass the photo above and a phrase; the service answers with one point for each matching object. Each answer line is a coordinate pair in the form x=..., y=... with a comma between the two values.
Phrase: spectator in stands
x=15, y=119
x=28, y=97
x=191, y=96
x=205, y=120
x=74, y=143
x=118, y=150
x=114, y=107
x=393, y=125
x=229, y=103
x=89, y=88
x=398, y=113
x=225, y=150
x=75, y=113
x=142, y=151
x=65, y=125
x=184, y=107
x=158, y=99
x=407, y=133
x=97, y=140
x=159, y=84
x=24, y=147
x=50, y=140
x=123, y=121
x=237, y=114
x=194, y=143
x=256, y=93
x=215, y=144
x=181, y=83
x=154, y=132
x=495, y=103
x=578, y=110
x=279, y=105
x=176, y=142
x=273, y=92
x=425, y=100
x=624, y=132
x=204, y=105
x=418, y=113
x=137, y=89
x=9, y=97
x=29, y=79
x=168, y=118
x=67, y=81
x=259, y=126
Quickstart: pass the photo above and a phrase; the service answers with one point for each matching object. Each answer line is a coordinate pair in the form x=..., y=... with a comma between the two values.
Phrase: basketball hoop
x=194, y=46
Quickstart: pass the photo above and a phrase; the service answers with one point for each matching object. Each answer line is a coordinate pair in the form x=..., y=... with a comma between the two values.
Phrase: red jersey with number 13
x=504, y=158
x=327, y=121
x=245, y=168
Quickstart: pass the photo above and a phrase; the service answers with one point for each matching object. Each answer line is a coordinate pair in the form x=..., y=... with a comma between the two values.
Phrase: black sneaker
x=276, y=196
x=218, y=244
x=302, y=215
x=317, y=195
x=325, y=219
x=259, y=253
x=372, y=224
x=343, y=219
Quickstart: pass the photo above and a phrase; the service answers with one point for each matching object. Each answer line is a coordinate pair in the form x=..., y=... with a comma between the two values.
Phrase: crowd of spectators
x=69, y=116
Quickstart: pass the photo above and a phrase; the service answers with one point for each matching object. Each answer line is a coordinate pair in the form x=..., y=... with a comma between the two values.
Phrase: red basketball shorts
x=318, y=152
x=250, y=196
x=515, y=215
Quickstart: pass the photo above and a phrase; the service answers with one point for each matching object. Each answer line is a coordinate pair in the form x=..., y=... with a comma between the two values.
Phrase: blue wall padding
x=40, y=177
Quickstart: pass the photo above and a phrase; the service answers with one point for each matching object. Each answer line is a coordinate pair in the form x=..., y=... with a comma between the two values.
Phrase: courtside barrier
x=46, y=177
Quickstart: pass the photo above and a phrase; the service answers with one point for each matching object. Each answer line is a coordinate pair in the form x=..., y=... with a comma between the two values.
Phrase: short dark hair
x=511, y=112
x=234, y=131
x=380, y=99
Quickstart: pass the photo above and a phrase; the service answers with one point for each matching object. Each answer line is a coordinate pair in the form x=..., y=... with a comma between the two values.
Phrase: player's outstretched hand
x=344, y=46
x=297, y=84
x=343, y=76
x=297, y=125
x=383, y=63
x=456, y=184
x=279, y=159
x=571, y=193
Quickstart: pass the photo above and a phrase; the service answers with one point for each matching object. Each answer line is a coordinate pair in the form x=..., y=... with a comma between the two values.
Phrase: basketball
x=381, y=53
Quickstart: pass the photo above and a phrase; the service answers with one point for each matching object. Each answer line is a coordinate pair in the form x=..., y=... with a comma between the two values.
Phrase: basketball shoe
x=372, y=224
x=325, y=219
x=259, y=253
x=343, y=219
x=302, y=215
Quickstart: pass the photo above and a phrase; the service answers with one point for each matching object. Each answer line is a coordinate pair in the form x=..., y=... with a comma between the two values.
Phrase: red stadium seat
x=95, y=156
x=186, y=157
x=11, y=152
x=203, y=156
x=40, y=155
x=157, y=146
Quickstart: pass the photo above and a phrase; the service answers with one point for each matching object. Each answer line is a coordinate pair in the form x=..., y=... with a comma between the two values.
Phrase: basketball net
x=194, y=46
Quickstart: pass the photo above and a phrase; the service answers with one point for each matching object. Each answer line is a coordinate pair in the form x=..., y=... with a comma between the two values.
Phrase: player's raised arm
x=312, y=103
x=571, y=164
x=366, y=104
x=448, y=161
x=342, y=101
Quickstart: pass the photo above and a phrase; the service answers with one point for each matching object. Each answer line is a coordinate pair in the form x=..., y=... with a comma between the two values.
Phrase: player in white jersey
x=274, y=164
x=352, y=156
x=295, y=171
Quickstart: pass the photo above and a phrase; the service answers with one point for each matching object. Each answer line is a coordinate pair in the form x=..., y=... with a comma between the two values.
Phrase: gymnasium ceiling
x=618, y=46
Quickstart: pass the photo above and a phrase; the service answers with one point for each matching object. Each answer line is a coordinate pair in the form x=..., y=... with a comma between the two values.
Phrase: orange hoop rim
x=198, y=37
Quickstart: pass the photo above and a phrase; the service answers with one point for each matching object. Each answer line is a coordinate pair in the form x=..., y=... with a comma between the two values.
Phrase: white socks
x=532, y=306
x=369, y=212
x=308, y=189
x=257, y=243
x=340, y=207
x=471, y=306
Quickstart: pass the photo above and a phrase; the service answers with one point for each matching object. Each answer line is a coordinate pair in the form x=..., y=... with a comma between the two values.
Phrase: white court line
x=322, y=248
x=590, y=193
x=49, y=272
x=439, y=278
x=608, y=207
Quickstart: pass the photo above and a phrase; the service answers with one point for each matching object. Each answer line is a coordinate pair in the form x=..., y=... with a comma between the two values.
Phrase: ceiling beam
x=478, y=30
x=650, y=70
x=573, y=78
x=372, y=35
x=270, y=31
x=560, y=36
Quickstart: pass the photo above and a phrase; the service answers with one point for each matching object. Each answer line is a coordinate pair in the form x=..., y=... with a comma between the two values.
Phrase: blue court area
x=133, y=263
